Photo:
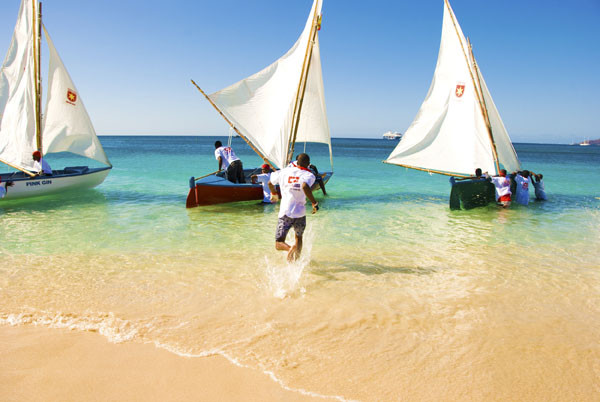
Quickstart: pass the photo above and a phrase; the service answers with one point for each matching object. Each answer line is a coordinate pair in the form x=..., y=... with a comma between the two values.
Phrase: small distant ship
x=392, y=135
x=585, y=143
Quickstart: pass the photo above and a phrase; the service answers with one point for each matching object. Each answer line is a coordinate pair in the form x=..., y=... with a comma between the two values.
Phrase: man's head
x=525, y=173
x=303, y=160
x=502, y=173
x=540, y=176
x=265, y=168
x=218, y=144
x=37, y=155
x=478, y=172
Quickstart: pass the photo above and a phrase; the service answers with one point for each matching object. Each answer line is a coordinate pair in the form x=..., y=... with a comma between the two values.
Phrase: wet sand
x=41, y=364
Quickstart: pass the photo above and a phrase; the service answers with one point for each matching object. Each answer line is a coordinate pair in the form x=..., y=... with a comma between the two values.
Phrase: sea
x=395, y=297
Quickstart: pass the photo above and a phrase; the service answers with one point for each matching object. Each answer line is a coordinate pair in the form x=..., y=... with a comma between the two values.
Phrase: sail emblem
x=71, y=96
x=460, y=90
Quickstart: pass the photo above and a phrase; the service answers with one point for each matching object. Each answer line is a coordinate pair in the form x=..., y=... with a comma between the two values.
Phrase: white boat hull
x=73, y=178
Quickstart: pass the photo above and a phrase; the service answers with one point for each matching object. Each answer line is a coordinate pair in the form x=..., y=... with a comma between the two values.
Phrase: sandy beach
x=40, y=364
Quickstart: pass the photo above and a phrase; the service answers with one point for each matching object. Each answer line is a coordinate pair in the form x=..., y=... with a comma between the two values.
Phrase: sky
x=132, y=60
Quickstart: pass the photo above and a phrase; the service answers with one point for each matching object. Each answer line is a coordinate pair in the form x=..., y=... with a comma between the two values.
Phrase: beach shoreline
x=38, y=363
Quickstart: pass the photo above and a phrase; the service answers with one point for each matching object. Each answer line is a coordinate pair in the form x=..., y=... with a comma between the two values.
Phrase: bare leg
x=295, y=250
x=282, y=246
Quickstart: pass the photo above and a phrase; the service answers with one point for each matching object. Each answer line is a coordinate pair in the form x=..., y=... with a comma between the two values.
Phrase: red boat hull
x=206, y=194
x=215, y=189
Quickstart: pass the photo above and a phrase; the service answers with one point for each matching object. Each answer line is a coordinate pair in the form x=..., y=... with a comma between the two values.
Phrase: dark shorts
x=284, y=225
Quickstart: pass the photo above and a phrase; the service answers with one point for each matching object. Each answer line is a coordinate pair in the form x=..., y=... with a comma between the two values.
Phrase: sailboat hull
x=471, y=194
x=215, y=189
x=70, y=178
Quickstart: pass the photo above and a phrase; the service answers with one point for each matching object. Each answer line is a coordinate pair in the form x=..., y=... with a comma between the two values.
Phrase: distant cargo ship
x=392, y=135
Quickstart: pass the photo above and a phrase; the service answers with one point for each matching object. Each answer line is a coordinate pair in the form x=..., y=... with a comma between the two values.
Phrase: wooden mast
x=427, y=170
x=479, y=97
x=233, y=126
x=37, y=42
x=302, y=86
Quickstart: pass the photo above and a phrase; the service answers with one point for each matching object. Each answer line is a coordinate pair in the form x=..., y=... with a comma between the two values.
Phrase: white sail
x=17, y=93
x=67, y=125
x=449, y=133
x=507, y=157
x=314, y=126
x=262, y=105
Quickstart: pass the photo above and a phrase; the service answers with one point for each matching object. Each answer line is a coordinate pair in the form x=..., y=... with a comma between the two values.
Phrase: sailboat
x=458, y=128
x=65, y=126
x=272, y=111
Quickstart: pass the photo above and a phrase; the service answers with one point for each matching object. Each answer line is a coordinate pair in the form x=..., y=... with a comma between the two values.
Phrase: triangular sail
x=262, y=105
x=67, y=125
x=504, y=147
x=314, y=126
x=449, y=134
x=17, y=93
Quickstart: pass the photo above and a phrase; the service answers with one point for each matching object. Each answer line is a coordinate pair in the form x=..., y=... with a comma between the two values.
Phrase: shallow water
x=395, y=298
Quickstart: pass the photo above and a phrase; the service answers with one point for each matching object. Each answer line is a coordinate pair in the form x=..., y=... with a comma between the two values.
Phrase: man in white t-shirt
x=522, y=180
x=40, y=166
x=502, y=185
x=227, y=160
x=295, y=183
x=4, y=187
x=263, y=179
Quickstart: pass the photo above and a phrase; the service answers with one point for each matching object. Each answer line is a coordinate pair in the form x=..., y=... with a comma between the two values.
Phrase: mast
x=302, y=86
x=482, y=105
x=37, y=42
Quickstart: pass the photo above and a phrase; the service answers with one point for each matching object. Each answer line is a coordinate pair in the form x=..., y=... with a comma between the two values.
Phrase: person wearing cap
x=263, y=179
x=294, y=183
x=40, y=166
x=4, y=187
x=234, y=171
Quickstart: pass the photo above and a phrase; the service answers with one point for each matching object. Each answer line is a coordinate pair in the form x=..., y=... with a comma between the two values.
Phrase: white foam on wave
x=114, y=329
x=117, y=330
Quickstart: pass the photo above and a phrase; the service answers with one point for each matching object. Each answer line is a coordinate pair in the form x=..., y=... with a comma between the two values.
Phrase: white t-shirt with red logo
x=227, y=155
x=502, y=185
x=290, y=182
x=522, y=190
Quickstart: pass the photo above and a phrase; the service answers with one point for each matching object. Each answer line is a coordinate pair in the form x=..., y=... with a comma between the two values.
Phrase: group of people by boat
x=507, y=188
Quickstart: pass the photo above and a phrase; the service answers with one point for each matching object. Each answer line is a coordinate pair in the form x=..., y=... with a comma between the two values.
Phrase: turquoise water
x=396, y=296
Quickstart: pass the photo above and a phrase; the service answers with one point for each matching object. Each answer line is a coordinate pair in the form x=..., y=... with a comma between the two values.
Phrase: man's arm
x=311, y=197
x=273, y=189
x=220, y=161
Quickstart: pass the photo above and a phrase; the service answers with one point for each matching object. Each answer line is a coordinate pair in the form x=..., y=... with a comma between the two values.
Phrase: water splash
x=284, y=277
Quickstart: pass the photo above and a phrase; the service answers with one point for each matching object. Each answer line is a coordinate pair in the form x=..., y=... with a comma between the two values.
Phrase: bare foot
x=292, y=254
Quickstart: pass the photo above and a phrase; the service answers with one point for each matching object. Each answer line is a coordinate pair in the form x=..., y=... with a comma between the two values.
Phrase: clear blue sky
x=132, y=60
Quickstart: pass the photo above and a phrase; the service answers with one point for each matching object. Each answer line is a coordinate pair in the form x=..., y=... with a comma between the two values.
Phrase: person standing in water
x=294, y=183
x=263, y=179
x=538, y=184
x=522, y=180
x=502, y=186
